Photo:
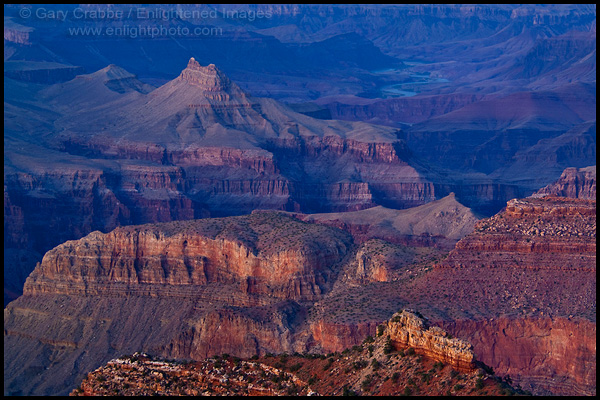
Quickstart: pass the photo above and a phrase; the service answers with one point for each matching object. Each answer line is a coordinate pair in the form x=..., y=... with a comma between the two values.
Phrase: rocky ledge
x=574, y=182
x=555, y=233
x=411, y=330
x=375, y=367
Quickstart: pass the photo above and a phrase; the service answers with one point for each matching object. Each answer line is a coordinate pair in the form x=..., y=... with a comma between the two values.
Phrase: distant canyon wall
x=552, y=355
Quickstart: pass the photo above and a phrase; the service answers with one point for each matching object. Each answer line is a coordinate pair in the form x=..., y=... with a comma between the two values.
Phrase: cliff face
x=275, y=255
x=547, y=233
x=238, y=285
x=579, y=183
x=556, y=355
x=389, y=372
x=407, y=329
x=526, y=280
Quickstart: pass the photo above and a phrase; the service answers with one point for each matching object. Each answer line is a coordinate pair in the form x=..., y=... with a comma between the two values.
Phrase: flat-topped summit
x=215, y=83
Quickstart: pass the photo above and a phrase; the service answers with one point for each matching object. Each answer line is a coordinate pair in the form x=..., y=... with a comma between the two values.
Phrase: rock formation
x=389, y=372
x=141, y=375
x=195, y=147
x=270, y=283
x=409, y=330
x=438, y=223
x=579, y=183
x=238, y=285
x=214, y=84
x=526, y=279
x=265, y=253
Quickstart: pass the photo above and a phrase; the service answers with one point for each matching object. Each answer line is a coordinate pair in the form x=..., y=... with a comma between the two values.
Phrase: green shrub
x=295, y=367
x=366, y=382
x=375, y=364
x=479, y=383
x=388, y=348
x=348, y=392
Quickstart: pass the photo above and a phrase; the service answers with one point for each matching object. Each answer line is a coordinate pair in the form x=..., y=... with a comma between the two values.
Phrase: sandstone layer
x=264, y=253
x=577, y=183
x=409, y=330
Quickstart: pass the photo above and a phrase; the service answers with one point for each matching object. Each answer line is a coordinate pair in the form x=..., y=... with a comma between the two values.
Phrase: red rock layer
x=545, y=233
x=294, y=265
x=554, y=355
x=575, y=183
x=523, y=288
x=408, y=330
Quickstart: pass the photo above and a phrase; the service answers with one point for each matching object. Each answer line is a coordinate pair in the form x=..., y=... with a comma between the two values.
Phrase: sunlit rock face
x=409, y=330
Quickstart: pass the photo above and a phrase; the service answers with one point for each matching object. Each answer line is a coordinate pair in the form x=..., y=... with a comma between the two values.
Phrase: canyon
x=215, y=151
x=192, y=198
x=230, y=280
x=270, y=282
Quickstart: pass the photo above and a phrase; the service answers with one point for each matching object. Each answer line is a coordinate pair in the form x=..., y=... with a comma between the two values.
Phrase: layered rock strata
x=549, y=355
x=389, y=372
x=526, y=279
x=409, y=330
x=579, y=183
x=214, y=83
x=546, y=233
x=272, y=254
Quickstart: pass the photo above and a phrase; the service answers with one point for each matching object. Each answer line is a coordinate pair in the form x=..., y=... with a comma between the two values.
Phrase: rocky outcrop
x=214, y=84
x=526, y=279
x=142, y=375
x=410, y=330
x=537, y=233
x=274, y=255
x=578, y=183
x=41, y=72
